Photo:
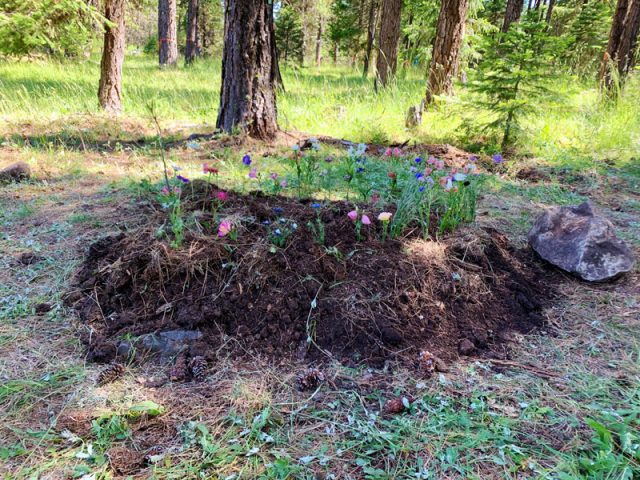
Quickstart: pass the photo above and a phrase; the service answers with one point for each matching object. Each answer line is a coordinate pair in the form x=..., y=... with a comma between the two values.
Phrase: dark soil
x=365, y=301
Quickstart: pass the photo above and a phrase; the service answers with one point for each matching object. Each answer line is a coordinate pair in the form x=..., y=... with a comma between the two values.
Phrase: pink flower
x=224, y=228
x=222, y=196
x=388, y=152
x=353, y=215
x=165, y=190
x=397, y=152
x=208, y=169
x=273, y=175
x=439, y=164
x=284, y=183
x=375, y=197
x=431, y=160
x=366, y=220
x=253, y=173
x=428, y=170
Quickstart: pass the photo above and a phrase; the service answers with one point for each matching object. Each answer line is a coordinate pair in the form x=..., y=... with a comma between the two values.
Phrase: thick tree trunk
x=167, y=33
x=319, y=41
x=371, y=35
x=247, y=96
x=275, y=55
x=388, y=44
x=622, y=40
x=445, y=60
x=511, y=14
x=110, y=88
x=191, y=48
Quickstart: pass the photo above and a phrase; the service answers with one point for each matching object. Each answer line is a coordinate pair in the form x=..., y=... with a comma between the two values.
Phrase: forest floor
x=564, y=404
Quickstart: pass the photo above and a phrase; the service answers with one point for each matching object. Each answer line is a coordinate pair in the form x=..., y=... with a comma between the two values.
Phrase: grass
x=574, y=129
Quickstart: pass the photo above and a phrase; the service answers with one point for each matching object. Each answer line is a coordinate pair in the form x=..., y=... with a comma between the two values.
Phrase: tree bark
x=167, y=33
x=192, y=48
x=511, y=14
x=622, y=40
x=549, y=14
x=371, y=35
x=247, y=96
x=275, y=55
x=388, y=44
x=110, y=87
x=445, y=60
x=319, y=41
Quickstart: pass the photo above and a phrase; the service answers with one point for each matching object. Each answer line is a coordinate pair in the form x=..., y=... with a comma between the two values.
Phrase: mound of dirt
x=363, y=301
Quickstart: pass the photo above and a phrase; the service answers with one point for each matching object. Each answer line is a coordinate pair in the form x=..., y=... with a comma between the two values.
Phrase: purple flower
x=273, y=175
x=497, y=158
x=366, y=220
x=253, y=173
x=183, y=179
x=473, y=158
x=246, y=160
x=353, y=215
x=283, y=184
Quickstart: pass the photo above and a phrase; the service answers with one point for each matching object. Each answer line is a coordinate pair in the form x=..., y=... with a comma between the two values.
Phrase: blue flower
x=283, y=221
x=246, y=160
x=277, y=232
x=182, y=179
x=277, y=210
x=360, y=170
x=418, y=159
x=266, y=222
x=497, y=158
x=419, y=175
x=421, y=188
x=413, y=169
x=315, y=205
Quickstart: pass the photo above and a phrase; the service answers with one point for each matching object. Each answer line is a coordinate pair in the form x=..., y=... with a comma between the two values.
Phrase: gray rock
x=15, y=172
x=581, y=242
x=166, y=343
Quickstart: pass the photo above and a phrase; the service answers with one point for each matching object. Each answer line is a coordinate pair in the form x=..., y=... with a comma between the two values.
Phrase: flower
x=176, y=168
x=273, y=175
x=353, y=215
x=497, y=158
x=392, y=175
x=439, y=164
x=420, y=176
x=315, y=205
x=418, y=159
x=428, y=170
x=413, y=169
x=277, y=210
x=224, y=228
x=384, y=216
x=375, y=197
x=246, y=160
x=329, y=159
x=388, y=152
x=283, y=184
x=430, y=181
x=473, y=158
x=366, y=220
x=208, y=169
x=266, y=222
x=446, y=183
x=253, y=173
x=183, y=179
x=296, y=148
x=397, y=152
x=431, y=160
x=421, y=188
x=277, y=232
x=459, y=177
x=360, y=170
x=222, y=196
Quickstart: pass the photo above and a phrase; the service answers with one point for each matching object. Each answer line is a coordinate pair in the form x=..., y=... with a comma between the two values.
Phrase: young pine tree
x=512, y=75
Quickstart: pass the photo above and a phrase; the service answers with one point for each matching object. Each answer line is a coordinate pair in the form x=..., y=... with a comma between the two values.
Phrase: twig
x=533, y=369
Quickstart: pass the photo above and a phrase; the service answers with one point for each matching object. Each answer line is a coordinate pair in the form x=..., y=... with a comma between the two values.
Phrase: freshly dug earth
x=357, y=301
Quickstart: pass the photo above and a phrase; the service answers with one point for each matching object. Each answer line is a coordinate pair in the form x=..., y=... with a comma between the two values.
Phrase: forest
x=332, y=239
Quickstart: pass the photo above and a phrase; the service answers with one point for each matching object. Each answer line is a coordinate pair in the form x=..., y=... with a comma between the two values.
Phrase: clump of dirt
x=357, y=301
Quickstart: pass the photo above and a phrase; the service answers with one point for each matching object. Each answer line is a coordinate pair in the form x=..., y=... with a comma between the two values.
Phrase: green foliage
x=512, y=75
x=289, y=35
x=57, y=27
x=345, y=30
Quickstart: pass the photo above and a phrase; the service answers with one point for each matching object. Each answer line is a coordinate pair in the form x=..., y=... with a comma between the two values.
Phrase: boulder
x=581, y=242
x=15, y=172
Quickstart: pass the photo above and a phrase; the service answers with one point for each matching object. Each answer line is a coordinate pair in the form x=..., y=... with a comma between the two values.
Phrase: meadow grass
x=575, y=127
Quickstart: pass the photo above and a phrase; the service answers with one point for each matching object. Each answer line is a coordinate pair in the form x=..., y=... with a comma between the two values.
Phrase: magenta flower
x=353, y=215
x=397, y=152
x=366, y=220
x=253, y=173
x=284, y=184
x=273, y=175
x=222, y=196
x=165, y=190
x=388, y=152
x=224, y=228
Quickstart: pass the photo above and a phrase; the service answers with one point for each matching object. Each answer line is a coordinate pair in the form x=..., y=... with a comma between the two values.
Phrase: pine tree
x=512, y=74
x=289, y=34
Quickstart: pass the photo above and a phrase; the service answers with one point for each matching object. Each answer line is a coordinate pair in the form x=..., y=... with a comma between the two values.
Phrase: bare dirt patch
x=365, y=301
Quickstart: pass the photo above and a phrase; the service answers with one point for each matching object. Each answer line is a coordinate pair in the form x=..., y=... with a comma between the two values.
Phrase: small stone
x=466, y=347
x=42, y=308
x=580, y=242
x=441, y=367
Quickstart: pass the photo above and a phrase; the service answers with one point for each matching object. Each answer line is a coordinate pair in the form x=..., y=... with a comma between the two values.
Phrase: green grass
x=576, y=128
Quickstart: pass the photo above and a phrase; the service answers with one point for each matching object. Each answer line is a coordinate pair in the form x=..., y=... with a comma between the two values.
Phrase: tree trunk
x=445, y=60
x=110, y=88
x=622, y=40
x=275, y=55
x=167, y=33
x=191, y=48
x=319, y=41
x=511, y=14
x=388, y=43
x=552, y=4
x=247, y=96
x=371, y=35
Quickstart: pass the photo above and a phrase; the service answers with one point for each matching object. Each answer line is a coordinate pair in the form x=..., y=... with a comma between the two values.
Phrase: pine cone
x=198, y=366
x=310, y=379
x=397, y=405
x=426, y=363
x=180, y=370
x=110, y=374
